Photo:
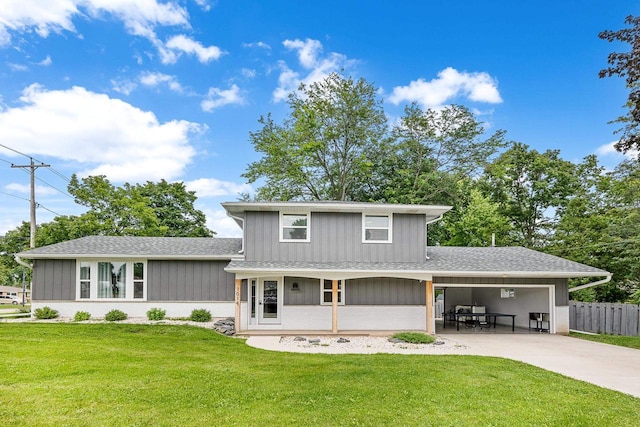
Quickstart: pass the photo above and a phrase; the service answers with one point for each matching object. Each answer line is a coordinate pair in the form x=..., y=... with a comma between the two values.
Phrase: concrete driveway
x=608, y=366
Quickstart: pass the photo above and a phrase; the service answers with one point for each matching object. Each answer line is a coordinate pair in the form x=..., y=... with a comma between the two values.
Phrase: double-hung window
x=377, y=228
x=294, y=227
x=327, y=292
x=122, y=280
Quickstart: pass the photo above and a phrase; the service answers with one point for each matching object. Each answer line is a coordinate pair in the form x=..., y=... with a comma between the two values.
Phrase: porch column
x=430, y=314
x=237, y=301
x=334, y=306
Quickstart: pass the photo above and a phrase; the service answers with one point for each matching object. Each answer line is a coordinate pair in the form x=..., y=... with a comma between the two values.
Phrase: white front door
x=269, y=301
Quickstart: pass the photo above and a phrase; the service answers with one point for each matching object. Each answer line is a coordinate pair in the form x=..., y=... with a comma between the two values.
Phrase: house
x=13, y=291
x=307, y=266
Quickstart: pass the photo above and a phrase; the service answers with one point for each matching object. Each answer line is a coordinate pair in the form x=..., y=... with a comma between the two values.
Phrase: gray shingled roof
x=448, y=261
x=147, y=247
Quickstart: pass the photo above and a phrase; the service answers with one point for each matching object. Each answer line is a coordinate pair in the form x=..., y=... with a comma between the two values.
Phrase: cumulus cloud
x=609, y=151
x=183, y=44
x=45, y=62
x=154, y=79
x=221, y=223
x=104, y=135
x=316, y=67
x=450, y=84
x=211, y=187
x=217, y=98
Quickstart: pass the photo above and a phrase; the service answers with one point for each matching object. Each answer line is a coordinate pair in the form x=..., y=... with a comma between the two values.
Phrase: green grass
x=137, y=375
x=631, y=342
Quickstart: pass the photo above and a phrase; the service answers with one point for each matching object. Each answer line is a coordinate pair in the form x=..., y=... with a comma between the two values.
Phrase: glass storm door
x=269, y=302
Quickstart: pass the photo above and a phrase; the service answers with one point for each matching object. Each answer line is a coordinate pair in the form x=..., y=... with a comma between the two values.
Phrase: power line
x=32, y=167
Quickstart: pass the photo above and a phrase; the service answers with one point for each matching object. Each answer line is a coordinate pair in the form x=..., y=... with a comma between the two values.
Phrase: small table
x=540, y=319
x=478, y=315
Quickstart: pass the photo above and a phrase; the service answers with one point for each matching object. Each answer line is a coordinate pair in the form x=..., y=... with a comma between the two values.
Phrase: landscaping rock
x=315, y=341
x=397, y=341
x=342, y=340
x=225, y=326
x=438, y=343
x=299, y=339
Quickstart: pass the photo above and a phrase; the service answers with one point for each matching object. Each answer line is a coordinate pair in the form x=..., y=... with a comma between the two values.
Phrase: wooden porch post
x=237, y=301
x=334, y=306
x=430, y=314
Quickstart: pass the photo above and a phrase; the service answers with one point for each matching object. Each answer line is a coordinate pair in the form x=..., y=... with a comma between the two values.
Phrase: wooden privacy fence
x=605, y=318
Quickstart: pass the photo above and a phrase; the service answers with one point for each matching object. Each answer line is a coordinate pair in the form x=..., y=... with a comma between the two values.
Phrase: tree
x=627, y=65
x=435, y=151
x=328, y=146
x=532, y=189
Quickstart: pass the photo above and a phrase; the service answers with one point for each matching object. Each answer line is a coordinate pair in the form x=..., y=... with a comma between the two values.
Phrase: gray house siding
x=189, y=281
x=562, y=294
x=334, y=237
x=54, y=280
x=308, y=293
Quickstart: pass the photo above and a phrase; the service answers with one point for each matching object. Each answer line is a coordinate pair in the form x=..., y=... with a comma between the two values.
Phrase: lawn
x=123, y=374
x=631, y=342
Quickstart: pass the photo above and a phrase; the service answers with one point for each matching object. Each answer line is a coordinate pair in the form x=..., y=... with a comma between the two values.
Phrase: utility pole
x=32, y=200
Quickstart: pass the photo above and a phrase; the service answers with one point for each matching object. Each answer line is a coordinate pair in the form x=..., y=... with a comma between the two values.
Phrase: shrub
x=200, y=315
x=156, y=314
x=81, y=316
x=414, y=337
x=115, y=315
x=45, y=313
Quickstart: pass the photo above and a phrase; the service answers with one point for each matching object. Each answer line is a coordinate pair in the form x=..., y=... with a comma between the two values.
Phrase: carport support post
x=334, y=306
x=430, y=315
x=237, y=301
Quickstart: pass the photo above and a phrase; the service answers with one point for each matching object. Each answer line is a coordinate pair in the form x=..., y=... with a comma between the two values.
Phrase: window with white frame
x=377, y=228
x=327, y=292
x=294, y=227
x=112, y=280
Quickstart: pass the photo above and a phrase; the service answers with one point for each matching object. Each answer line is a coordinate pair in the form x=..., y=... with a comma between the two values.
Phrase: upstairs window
x=376, y=228
x=294, y=227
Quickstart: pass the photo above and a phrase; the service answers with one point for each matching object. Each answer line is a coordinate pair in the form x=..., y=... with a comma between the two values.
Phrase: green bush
x=156, y=314
x=81, y=316
x=115, y=315
x=414, y=337
x=200, y=315
x=45, y=313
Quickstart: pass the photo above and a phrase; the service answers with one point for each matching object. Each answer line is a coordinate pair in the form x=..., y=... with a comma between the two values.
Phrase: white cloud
x=154, y=79
x=211, y=187
x=124, y=87
x=248, y=73
x=450, y=84
x=217, y=98
x=309, y=58
x=26, y=189
x=17, y=67
x=221, y=223
x=204, y=4
x=105, y=135
x=46, y=61
x=261, y=45
x=182, y=43
x=609, y=151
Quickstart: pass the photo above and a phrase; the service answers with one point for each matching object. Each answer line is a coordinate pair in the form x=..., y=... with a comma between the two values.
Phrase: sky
x=144, y=90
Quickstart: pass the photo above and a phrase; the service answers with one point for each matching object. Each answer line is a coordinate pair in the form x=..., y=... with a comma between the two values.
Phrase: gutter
x=589, y=285
x=22, y=263
x=238, y=218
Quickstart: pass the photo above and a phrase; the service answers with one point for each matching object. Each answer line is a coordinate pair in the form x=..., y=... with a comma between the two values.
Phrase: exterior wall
x=562, y=320
x=334, y=237
x=98, y=309
x=189, y=281
x=354, y=318
x=384, y=291
x=54, y=280
x=309, y=293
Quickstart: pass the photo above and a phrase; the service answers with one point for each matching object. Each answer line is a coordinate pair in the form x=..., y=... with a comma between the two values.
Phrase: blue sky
x=152, y=89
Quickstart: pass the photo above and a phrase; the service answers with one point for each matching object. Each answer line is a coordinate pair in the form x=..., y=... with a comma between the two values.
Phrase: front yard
x=125, y=374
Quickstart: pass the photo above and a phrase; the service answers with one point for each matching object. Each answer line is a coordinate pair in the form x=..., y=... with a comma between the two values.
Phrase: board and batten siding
x=54, y=280
x=335, y=237
x=189, y=281
x=562, y=286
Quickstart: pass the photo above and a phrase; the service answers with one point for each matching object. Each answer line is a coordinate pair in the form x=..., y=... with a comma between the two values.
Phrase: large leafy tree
x=532, y=189
x=627, y=65
x=328, y=146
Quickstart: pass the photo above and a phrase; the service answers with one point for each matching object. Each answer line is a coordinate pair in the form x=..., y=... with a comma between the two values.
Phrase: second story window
x=294, y=227
x=376, y=228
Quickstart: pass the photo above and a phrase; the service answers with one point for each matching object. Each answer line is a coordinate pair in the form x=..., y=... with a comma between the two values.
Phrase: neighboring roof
x=238, y=208
x=141, y=247
x=443, y=261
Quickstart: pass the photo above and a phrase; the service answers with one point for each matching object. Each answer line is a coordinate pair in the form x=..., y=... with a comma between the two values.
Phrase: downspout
x=22, y=263
x=589, y=285
x=237, y=218
x=425, y=231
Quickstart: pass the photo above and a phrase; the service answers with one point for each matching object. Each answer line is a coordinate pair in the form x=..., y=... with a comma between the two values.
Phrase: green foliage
x=328, y=146
x=623, y=341
x=45, y=313
x=200, y=315
x=156, y=314
x=414, y=337
x=115, y=316
x=81, y=316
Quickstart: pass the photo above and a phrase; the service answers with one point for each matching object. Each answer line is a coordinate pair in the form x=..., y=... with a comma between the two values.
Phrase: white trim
x=389, y=227
x=307, y=227
x=93, y=279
